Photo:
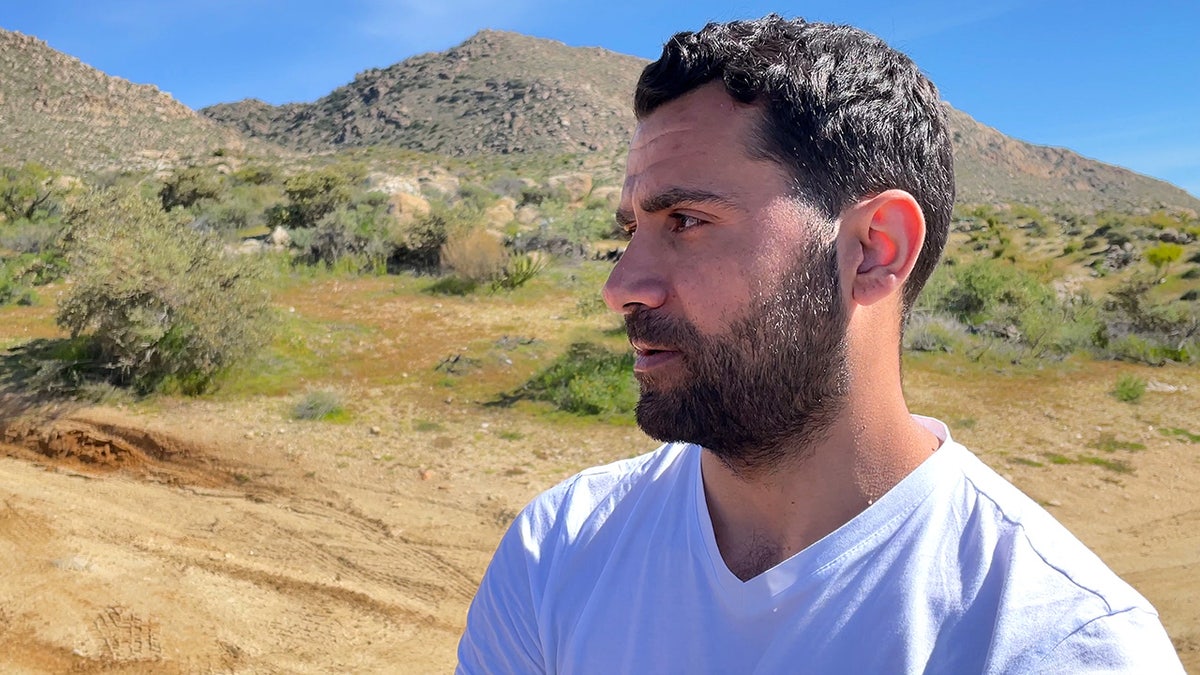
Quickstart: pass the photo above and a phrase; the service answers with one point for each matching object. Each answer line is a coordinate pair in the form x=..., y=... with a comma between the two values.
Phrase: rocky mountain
x=60, y=112
x=507, y=93
x=992, y=167
x=497, y=92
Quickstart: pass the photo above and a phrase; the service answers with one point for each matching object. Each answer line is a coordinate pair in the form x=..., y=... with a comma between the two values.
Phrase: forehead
x=701, y=138
x=705, y=114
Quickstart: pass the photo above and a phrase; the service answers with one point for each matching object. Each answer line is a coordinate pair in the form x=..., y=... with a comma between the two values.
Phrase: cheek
x=715, y=298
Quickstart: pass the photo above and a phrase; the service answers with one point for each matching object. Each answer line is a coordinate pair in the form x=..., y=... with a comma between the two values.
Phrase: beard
x=765, y=391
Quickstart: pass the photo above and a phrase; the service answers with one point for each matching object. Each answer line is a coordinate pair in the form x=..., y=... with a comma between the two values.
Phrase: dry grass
x=477, y=256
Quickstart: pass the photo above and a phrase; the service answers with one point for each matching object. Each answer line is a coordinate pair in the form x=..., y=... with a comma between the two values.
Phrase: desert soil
x=214, y=536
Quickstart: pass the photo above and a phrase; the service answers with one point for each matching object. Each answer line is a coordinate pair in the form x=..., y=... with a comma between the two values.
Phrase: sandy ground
x=200, y=536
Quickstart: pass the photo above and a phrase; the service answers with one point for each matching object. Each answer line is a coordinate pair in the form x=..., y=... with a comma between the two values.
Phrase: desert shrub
x=990, y=290
x=254, y=174
x=26, y=236
x=1129, y=388
x=587, y=380
x=320, y=405
x=926, y=332
x=477, y=255
x=28, y=193
x=13, y=290
x=312, y=195
x=1162, y=255
x=418, y=244
x=569, y=230
x=355, y=236
x=160, y=304
x=1149, y=350
x=520, y=270
x=997, y=302
x=1138, y=328
x=188, y=186
x=21, y=273
x=476, y=196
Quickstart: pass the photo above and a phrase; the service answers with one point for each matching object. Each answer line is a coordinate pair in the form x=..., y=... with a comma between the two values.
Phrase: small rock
x=426, y=474
x=1053, y=502
x=375, y=431
x=1162, y=387
x=249, y=434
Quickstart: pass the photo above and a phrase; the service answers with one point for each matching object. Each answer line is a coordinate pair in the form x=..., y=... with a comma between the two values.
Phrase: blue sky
x=1115, y=81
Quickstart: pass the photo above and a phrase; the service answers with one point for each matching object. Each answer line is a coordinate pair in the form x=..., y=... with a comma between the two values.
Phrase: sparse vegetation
x=1129, y=389
x=321, y=405
x=1182, y=434
x=1110, y=443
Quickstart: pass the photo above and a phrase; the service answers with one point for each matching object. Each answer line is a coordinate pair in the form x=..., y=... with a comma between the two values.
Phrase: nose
x=638, y=280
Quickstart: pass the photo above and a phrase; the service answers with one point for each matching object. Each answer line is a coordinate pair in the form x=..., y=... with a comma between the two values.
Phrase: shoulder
x=580, y=505
x=1035, y=539
x=508, y=622
x=1055, y=600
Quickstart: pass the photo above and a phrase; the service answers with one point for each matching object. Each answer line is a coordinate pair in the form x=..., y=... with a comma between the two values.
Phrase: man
x=788, y=191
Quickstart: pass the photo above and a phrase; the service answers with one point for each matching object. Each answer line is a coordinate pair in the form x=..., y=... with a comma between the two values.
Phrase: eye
x=684, y=221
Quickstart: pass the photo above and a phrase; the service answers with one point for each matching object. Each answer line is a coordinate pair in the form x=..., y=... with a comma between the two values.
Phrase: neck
x=762, y=517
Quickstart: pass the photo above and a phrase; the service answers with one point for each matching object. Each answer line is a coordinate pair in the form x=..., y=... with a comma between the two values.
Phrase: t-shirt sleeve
x=502, y=628
x=1132, y=641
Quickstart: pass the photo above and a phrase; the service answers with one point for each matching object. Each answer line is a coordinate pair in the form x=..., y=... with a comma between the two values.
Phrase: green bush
x=1162, y=255
x=162, y=306
x=587, y=380
x=312, y=195
x=28, y=193
x=1129, y=388
x=355, y=236
x=418, y=244
x=189, y=186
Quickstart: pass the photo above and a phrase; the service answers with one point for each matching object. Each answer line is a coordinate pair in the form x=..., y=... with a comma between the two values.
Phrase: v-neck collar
x=812, y=563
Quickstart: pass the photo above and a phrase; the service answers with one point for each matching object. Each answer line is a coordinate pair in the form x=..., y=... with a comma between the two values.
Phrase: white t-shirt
x=952, y=571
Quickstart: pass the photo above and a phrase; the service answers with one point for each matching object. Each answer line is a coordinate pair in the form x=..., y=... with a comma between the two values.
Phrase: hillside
x=60, y=112
x=495, y=93
x=992, y=167
x=507, y=93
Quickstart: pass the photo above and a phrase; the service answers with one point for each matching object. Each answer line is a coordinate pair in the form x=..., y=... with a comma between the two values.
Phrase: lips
x=649, y=357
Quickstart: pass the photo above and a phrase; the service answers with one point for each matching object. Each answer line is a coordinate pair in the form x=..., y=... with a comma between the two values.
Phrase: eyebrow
x=671, y=197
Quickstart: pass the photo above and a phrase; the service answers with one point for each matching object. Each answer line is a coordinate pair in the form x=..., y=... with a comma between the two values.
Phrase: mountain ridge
x=497, y=93
x=453, y=102
x=59, y=111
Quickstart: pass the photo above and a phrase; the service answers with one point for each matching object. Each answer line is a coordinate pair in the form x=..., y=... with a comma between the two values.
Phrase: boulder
x=501, y=213
x=528, y=214
x=406, y=207
x=280, y=238
x=576, y=186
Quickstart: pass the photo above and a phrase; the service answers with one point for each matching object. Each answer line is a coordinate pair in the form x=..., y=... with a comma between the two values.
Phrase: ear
x=884, y=235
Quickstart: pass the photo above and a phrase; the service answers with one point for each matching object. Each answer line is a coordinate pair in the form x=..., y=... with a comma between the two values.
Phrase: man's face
x=729, y=288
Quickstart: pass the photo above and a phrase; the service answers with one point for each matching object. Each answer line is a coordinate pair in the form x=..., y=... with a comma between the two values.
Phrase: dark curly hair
x=846, y=114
